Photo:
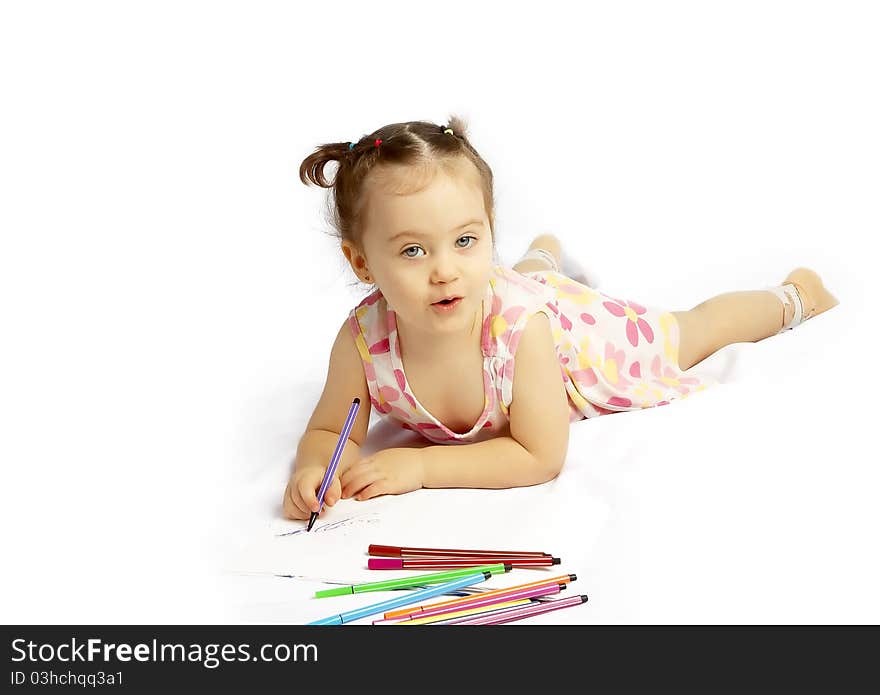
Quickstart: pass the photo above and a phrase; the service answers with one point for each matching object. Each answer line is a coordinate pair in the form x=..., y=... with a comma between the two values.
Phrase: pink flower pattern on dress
x=380, y=347
x=602, y=373
x=667, y=376
x=633, y=313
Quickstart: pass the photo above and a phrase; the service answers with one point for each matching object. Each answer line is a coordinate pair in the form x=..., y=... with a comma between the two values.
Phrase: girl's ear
x=357, y=260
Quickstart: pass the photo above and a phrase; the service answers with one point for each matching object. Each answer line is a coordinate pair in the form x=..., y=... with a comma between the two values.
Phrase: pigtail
x=312, y=168
x=458, y=126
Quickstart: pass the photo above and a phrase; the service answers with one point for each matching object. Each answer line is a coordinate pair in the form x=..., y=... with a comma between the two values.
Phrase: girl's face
x=423, y=247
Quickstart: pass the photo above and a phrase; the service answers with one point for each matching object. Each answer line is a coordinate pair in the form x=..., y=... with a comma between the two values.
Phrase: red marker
x=398, y=551
x=427, y=563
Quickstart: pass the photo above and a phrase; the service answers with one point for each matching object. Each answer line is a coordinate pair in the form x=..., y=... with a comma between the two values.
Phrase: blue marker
x=413, y=597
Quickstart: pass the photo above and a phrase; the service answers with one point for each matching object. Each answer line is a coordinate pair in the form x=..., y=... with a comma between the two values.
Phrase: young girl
x=466, y=351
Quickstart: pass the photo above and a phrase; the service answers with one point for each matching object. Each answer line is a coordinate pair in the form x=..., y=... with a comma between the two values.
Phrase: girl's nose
x=444, y=269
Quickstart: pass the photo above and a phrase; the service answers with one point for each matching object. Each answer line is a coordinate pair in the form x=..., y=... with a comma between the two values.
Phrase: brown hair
x=420, y=144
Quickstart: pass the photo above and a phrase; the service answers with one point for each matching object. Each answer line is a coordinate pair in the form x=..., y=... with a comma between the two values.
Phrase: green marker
x=410, y=582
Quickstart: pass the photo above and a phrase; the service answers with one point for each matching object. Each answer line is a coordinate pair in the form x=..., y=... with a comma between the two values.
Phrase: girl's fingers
x=356, y=469
x=358, y=482
x=290, y=510
x=293, y=506
x=300, y=505
x=308, y=497
x=374, y=490
x=348, y=478
x=334, y=492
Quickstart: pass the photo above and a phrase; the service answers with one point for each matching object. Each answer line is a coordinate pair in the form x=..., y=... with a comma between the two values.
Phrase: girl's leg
x=734, y=317
x=745, y=317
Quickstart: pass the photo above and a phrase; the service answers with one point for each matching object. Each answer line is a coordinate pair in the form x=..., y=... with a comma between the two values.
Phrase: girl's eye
x=406, y=251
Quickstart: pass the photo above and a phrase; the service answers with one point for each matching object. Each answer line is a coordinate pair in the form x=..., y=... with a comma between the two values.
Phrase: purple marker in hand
x=334, y=460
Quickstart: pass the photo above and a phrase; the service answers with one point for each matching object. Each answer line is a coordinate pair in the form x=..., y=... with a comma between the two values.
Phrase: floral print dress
x=614, y=354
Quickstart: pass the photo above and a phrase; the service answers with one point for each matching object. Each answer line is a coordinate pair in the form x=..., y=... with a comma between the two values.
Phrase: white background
x=168, y=293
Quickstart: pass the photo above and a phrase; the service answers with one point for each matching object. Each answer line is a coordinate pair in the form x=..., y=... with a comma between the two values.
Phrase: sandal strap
x=788, y=294
x=538, y=254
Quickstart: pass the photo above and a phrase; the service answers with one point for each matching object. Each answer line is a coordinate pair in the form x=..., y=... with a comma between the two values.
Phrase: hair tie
x=351, y=145
x=378, y=142
x=448, y=130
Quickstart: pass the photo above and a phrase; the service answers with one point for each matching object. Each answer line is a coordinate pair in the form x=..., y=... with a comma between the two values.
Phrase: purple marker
x=334, y=460
x=524, y=612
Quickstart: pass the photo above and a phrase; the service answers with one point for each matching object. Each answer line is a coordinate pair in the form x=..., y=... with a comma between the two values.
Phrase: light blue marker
x=413, y=597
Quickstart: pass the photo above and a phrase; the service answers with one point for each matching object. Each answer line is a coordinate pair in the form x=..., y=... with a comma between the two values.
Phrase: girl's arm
x=536, y=448
x=345, y=381
x=495, y=463
x=533, y=453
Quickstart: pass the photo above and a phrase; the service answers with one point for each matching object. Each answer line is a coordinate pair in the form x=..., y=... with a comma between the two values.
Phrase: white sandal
x=570, y=267
x=788, y=293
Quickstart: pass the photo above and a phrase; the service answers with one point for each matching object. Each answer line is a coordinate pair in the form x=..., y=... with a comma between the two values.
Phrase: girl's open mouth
x=446, y=305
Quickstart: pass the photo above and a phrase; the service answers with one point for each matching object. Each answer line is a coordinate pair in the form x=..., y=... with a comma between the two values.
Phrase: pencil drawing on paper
x=360, y=520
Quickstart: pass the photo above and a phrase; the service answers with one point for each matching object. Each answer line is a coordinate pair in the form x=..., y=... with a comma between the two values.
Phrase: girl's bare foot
x=814, y=296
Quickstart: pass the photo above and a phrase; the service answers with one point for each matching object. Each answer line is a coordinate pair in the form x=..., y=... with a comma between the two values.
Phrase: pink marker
x=429, y=563
x=521, y=613
x=479, y=602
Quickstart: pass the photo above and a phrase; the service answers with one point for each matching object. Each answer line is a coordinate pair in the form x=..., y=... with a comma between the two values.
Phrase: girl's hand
x=387, y=472
x=301, y=494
